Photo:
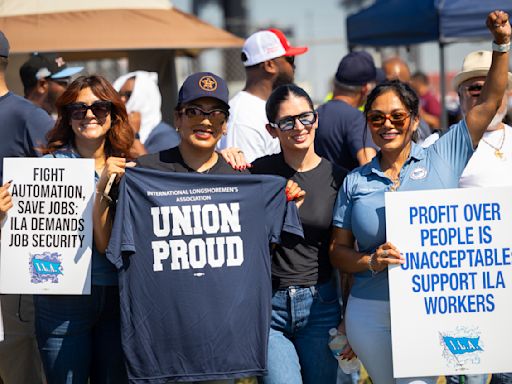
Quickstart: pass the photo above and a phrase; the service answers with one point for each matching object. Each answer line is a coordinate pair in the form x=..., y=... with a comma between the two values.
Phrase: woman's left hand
x=295, y=192
x=384, y=255
x=235, y=157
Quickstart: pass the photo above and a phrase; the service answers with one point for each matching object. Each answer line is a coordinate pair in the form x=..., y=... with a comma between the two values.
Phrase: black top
x=298, y=261
x=171, y=160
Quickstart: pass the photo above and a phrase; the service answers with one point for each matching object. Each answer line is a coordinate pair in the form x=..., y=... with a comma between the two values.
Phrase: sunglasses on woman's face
x=100, y=109
x=196, y=115
x=378, y=119
x=288, y=123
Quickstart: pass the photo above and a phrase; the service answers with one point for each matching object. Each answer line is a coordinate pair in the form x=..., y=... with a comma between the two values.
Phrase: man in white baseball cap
x=269, y=61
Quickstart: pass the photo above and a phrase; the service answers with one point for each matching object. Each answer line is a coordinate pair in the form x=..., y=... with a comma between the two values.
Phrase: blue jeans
x=79, y=337
x=299, y=334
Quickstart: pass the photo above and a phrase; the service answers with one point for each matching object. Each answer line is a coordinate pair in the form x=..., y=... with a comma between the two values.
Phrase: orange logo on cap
x=208, y=83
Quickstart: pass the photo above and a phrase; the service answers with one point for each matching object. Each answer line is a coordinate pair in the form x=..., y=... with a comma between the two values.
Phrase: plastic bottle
x=337, y=344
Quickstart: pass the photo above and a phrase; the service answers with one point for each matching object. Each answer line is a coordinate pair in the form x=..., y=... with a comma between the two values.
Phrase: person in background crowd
x=493, y=156
x=23, y=129
x=141, y=95
x=392, y=114
x=45, y=77
x=79, y=336
x=430, y=108
x=269, y=61
x=397, y=69
x=341, y=136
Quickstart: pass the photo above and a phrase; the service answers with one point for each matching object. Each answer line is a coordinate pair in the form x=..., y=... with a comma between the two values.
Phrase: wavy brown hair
x=119, y=137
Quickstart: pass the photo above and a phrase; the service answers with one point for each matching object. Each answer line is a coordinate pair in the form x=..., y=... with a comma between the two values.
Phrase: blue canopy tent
x=407, y=22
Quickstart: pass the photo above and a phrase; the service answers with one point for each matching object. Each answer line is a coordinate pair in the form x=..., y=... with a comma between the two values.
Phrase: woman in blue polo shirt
x=400, y=165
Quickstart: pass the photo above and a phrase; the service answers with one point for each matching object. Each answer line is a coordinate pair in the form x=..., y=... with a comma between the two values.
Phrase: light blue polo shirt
x=360, y=203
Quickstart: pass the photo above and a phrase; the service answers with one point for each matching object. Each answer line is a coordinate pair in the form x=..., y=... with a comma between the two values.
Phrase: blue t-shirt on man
x=341, y=134
x=23, y=128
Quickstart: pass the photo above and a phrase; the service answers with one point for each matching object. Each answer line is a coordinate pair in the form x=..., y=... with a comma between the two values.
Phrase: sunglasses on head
x=100, y=109
x=196, y=114
x=288, y=123
x=378, y=119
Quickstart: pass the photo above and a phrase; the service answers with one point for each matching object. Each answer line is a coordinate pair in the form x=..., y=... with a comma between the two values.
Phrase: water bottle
x=337, y=344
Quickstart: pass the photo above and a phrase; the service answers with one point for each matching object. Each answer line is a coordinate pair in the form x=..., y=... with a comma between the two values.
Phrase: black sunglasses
x=475, y=88
x=290, y=60
x=78, y=111
x=288, y=123
x=197, y=114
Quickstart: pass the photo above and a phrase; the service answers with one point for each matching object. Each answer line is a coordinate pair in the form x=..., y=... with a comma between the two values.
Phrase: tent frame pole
x=442, y=87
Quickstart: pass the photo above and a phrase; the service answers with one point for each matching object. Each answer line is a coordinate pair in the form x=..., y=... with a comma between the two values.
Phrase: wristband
x=501, y=47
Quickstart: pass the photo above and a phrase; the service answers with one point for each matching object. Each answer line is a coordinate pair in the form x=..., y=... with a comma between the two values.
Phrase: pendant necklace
x=497, y=150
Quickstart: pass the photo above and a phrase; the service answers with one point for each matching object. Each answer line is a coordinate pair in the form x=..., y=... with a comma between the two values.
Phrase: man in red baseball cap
x=269, y=61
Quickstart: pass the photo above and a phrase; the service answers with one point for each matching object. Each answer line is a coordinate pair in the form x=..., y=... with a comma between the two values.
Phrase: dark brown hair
x=119, y=137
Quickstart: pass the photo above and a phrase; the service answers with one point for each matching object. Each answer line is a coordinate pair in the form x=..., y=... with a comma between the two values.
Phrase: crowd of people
x=289, y=239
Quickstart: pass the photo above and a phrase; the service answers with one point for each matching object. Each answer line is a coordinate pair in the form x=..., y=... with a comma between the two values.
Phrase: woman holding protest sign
x=79, y=336
x=392, y=117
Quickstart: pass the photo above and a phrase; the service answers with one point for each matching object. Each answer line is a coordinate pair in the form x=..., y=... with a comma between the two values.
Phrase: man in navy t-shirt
x=22, y=129
x=194, y=271
x=341, y=136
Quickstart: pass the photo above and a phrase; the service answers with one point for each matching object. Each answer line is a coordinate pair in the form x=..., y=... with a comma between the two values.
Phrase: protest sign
x=451, y=299
x=47, y=236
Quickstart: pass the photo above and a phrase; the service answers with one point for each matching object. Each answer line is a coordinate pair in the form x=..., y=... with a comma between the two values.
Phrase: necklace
x=497, y=150
x=396, y=183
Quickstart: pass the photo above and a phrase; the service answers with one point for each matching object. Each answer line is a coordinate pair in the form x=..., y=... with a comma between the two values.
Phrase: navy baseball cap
x=203, y=84
x=42, y=66
x=4, y=45
x=356, y=68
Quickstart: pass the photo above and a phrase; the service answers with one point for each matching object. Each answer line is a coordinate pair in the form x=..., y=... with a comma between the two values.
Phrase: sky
x=320, y=25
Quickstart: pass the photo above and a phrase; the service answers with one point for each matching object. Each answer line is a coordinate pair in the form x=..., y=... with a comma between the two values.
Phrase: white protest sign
x=47, y=236
x=451, y=302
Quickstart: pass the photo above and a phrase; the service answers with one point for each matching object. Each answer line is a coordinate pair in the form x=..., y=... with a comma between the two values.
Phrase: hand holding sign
x=5, y=200
x=384, y=255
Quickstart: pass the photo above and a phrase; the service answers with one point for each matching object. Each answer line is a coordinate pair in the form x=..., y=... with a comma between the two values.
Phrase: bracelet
x=370, y=267
x=501, y=47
